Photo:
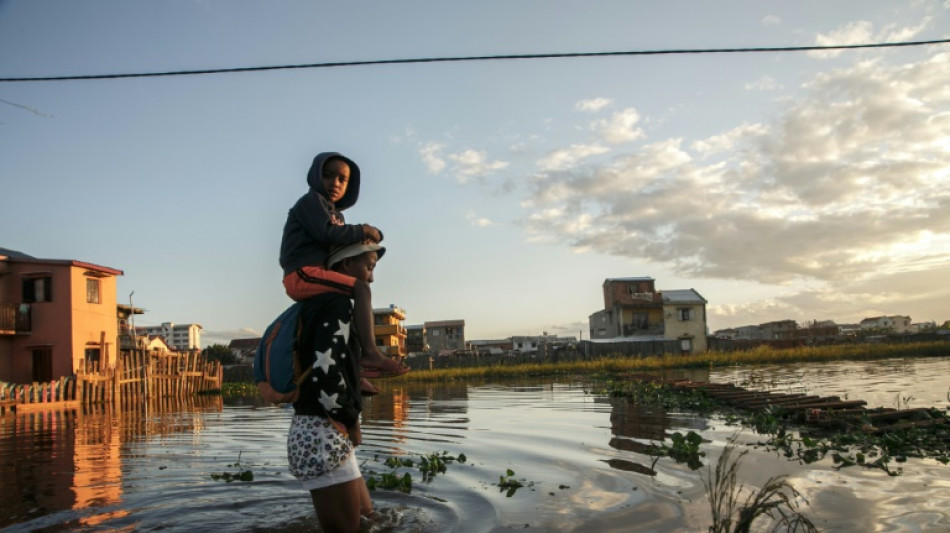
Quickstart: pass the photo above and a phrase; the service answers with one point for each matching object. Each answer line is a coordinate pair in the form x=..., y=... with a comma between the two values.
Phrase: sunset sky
x=779, y=185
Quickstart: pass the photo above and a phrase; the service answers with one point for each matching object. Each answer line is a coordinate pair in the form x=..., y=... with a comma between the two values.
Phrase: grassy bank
x=759, y=356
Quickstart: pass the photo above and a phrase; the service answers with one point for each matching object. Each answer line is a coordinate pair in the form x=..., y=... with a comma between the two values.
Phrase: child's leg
x=363, y=316
x=339, y=506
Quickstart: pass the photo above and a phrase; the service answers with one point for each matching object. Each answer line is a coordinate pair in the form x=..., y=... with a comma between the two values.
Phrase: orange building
x=389, y=332
x=54, y=313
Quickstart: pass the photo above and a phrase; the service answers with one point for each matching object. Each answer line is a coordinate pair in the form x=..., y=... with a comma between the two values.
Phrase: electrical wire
x=680, y=51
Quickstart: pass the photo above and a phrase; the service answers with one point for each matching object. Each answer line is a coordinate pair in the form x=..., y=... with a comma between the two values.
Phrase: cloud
x=226, y=336
x=862, y=32
x=771, y=20
x=472, y=164
x=477, y=221
x=594, y=104
x=431, y=157
x=857, y=32
x=849, y=182
x=620, y=128
x=567, y=157
x=765, y=83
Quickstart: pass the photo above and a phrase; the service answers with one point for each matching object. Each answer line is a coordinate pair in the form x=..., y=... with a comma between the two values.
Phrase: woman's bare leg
x=339, y=506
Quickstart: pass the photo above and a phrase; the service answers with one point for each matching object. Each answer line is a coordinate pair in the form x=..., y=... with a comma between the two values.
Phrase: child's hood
x=352, y=189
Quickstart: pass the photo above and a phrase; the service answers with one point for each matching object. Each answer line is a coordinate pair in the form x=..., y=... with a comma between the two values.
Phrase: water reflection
x=585, y=459
x=73, y=459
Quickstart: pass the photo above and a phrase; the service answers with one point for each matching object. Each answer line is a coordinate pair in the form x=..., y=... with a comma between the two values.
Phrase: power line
x=457, y=59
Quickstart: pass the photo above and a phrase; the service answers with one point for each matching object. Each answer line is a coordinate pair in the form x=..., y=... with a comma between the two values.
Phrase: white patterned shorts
x=318, y=454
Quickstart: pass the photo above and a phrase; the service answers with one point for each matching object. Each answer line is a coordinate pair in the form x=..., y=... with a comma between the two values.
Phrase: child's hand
x=371, y=233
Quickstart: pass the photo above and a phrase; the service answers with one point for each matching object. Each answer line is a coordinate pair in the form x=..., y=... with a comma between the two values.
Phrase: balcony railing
x=15, y=319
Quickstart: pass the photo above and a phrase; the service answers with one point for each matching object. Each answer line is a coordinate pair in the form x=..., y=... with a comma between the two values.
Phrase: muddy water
x=580, y=457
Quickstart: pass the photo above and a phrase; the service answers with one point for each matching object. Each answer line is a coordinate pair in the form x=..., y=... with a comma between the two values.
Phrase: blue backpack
x=276, y=368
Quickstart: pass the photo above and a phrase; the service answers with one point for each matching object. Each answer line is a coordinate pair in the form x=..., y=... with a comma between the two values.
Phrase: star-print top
x=333, y=389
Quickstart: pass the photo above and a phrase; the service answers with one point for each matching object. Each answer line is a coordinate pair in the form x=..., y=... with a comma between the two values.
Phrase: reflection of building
x=77, y=459
x=54, y=313
x=445, y=335
x=389, y=331
x=635, y=311
x=181, y=337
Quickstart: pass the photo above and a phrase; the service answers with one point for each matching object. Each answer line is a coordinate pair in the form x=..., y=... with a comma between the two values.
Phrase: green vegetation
x=846, y=445
x=619, y=364
x=241, y=475
x=510, y=485
x=777, y=499
x=429, y=466
x=219, y=352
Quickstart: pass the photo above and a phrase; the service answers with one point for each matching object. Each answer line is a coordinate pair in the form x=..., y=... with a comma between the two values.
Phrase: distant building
x=54, y=314
x=634, y=310
x=180, y=337
x=445, y=335
x=416, y=339
x=491, y=346
x=779, y=330
x=244, y=349
x=893, y=324
x=389, y=331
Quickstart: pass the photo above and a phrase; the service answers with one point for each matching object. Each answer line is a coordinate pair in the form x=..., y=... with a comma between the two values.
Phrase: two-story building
x=635, y=311
x=55, y=314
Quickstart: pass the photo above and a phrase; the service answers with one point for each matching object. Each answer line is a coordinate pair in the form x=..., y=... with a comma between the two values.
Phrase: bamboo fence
x=137, y=377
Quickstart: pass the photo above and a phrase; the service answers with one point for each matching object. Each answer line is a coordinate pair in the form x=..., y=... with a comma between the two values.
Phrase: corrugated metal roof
x=682, y=296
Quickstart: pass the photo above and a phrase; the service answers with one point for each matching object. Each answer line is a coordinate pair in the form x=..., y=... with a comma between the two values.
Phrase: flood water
x=579, y=455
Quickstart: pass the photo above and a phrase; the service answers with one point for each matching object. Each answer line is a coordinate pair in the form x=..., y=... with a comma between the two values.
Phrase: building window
x=38, y=289
x=685, y=313
x=92, y=291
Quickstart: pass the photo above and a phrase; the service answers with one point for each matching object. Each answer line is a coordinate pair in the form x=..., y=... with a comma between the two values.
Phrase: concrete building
x=180, y=337
x=54, y=314
x=445, y=335
x=635, y=311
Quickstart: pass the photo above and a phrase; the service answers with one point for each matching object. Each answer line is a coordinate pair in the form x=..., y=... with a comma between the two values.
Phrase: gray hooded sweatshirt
x=310, y=231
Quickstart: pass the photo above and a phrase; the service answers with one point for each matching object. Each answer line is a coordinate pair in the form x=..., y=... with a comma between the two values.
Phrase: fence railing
x=136, y=377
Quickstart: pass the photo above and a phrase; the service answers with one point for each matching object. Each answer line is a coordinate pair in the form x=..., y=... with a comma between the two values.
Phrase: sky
x=780, y=185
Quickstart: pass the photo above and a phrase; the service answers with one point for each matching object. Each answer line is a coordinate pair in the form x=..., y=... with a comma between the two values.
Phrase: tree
x=219, y=352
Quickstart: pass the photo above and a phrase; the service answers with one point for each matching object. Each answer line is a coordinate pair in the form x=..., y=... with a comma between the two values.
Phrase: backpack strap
x=269, y=343
x=298, y=371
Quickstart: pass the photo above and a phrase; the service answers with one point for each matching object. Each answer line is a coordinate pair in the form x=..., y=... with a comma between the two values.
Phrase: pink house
x=54, y=313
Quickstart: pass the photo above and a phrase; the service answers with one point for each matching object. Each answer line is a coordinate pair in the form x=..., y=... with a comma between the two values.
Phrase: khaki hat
x=352, y=250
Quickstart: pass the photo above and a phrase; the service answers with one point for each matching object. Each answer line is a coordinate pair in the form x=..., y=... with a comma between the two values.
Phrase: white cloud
x=431, y=157
x=473, y=163
x=477, y=221
x=765, y=83
x=567, y=157
x=594, y=104
x=620, y=128
x=771, y=20
x=837, y=188
x=857, y=32
x=862, y=32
